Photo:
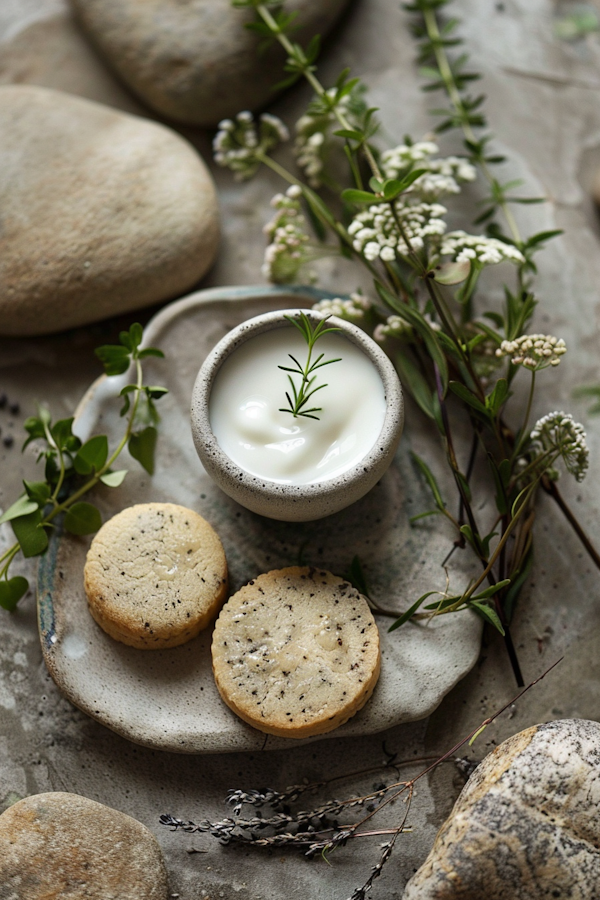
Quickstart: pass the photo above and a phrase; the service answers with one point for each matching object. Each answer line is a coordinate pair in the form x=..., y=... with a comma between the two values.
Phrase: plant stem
x=443, y=63
x=314, y=81
x=550, y=487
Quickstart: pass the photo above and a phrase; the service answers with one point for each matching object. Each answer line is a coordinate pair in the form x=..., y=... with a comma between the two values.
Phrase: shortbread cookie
x=155, y=575
x=296, y=652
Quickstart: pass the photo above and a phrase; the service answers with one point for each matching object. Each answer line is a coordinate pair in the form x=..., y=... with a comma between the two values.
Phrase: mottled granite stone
x=526, y=825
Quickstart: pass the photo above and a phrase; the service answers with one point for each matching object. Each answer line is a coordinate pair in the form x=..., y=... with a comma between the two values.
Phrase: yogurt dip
x=290, y=468
x=249, y=393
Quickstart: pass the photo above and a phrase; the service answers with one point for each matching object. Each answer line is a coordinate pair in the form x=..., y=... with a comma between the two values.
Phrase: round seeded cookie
x=296, y=652
x=155, y=575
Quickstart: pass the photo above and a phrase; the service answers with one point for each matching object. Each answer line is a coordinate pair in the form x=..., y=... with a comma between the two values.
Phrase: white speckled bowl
x=306, y=502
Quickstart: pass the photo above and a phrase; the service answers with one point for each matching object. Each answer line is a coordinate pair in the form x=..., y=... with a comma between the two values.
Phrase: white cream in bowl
x=290, y=467
x=250, y=390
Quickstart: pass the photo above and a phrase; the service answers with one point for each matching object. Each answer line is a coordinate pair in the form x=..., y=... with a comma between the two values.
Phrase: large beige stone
x=102, y=212
x=526, y=825
x=194, y=62
x=64, y=846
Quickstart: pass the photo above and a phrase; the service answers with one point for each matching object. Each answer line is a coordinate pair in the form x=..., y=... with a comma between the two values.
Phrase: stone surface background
x=542, y=103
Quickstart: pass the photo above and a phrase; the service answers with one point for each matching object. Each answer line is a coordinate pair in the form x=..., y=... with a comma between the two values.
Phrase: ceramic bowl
x=306, y=502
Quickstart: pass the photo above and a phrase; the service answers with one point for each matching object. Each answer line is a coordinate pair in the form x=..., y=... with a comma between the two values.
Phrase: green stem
x=523, y=432
x=443, y=63
x=313, y=81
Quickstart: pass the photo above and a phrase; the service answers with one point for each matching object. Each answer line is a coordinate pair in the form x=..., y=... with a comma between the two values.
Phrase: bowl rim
x=210, y=451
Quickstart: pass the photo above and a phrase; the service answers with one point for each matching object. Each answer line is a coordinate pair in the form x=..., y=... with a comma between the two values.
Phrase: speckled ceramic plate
x=167, y=699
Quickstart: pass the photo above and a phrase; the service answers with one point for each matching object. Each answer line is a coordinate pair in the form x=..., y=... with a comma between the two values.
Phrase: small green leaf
x=349, y=134
x=411, y=611
x=92, y=456
x=82, y=518
x=431, y=481
x=452, y=272
x=29, y=533
x=491, y=590
x=498, y=396
x=62, y=432
x=38, y=492
x=141, y=447
x=113, y=479
x=468, y=397
x=115, y=359
x=488, y=615
x=21, y=507
x=155, y=392
x=351, y=195
x=151, y=351
x=11, y=592
x=356, y=577
x=414, y=381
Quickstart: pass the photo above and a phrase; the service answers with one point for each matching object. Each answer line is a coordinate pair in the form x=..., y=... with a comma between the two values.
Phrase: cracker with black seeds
x=155, y=575
x=296, y=652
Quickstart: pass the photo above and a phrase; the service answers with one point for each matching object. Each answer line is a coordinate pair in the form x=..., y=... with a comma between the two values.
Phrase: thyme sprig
x=317, y=831
x=305, y=390
x=72, y=468
x=459, y=358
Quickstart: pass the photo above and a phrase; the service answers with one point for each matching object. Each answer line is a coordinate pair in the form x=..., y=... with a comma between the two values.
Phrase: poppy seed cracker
x=155, y=575
x=296, y=652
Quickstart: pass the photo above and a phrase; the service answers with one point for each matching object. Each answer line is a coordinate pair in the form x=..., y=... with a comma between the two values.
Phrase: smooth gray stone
x=195, y=62
x=63, y=845
x=102, y=212
x=526, y=824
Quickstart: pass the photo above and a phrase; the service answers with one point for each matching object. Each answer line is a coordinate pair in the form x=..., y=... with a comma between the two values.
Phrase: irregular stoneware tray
x=167, y=699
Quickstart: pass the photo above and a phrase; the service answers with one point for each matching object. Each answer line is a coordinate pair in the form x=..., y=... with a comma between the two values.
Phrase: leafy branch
x=72, y=468
x=459, y=359
x=302, y=394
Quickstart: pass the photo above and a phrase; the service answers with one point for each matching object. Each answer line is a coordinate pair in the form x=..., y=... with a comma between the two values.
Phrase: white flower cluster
x=393, y=327
x=533, y=351
x=353, y=309
x=396, y=327
x=312, y=132
x=558, y=432
x=376, y=234
x=442, y=176
x=238, y=144
x=286, y=253
x=488, y=251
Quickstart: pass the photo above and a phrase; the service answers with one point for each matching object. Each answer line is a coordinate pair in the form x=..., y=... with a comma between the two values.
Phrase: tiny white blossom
x=289, y=248
x=533, y=351
x=313, y=131
x=376, y=234
x=442, y=176
x=558, y=432
x=487, y=251
x=393, y=327
x=239, y=144
x=352, y=309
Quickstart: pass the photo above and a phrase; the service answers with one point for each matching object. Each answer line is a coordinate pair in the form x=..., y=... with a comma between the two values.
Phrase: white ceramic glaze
x=295, y=502
x=167, y=699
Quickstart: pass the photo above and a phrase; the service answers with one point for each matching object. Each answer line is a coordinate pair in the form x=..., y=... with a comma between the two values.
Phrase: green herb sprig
x=73, y=468
x=302, y=394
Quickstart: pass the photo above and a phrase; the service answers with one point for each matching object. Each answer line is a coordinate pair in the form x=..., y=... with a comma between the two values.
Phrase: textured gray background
x=542, y=104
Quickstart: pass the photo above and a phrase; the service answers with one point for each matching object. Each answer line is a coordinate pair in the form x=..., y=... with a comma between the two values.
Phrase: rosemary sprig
x=302, y=394
x=73, y=468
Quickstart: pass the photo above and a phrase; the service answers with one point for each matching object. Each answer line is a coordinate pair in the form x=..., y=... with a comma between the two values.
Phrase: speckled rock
x=526, y=825
x=63, y=845
x=102, y=212
x=194, y=62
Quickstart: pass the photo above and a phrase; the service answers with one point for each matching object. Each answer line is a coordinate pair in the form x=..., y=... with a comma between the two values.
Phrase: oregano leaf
x=82, y=518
